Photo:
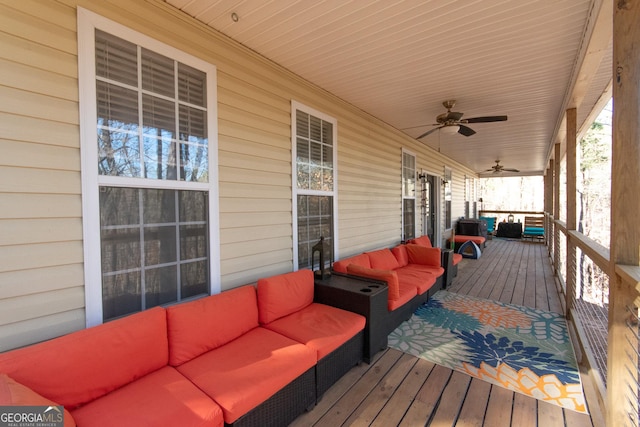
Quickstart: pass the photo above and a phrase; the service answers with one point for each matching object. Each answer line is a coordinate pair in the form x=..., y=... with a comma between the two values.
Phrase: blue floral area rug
x=519, y=348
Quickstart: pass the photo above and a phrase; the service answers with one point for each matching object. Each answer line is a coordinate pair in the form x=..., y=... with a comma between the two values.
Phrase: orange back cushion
x=383, y=259
x=13, y=393
x=361, y=260
x=199, y=326
x=389, y=276
x=281, y=295
x=420, y=255
x=80, y=367
x=400, y=252
x=422, y=241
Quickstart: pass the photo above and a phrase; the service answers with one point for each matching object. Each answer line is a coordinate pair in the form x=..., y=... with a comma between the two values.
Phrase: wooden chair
x=533, y=228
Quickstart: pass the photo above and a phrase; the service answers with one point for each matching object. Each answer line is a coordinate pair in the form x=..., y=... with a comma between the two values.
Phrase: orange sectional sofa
x=248, y=356
x=412, y=273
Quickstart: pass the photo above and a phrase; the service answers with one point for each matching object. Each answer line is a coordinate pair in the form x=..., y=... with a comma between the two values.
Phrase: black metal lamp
x=322, y=272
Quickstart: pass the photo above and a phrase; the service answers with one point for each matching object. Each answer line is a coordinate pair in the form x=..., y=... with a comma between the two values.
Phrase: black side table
x=511, y=230
x=358, y=295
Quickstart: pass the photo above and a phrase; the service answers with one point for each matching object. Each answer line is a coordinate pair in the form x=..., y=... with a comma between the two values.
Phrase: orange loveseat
x=246, y=356
x=412, y=273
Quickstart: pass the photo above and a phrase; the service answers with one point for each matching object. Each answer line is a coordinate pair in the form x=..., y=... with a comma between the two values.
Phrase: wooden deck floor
x=397, y=389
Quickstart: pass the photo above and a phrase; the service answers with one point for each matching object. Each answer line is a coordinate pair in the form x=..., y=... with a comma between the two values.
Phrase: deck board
x=401, y=390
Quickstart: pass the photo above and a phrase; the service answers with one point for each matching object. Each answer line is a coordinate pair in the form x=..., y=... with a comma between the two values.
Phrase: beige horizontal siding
x=41, y=280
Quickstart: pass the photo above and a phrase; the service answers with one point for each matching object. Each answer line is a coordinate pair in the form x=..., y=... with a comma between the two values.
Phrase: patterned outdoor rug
x=519, y=348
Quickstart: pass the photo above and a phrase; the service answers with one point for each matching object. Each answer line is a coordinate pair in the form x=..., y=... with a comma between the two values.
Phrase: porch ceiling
x=399, y=59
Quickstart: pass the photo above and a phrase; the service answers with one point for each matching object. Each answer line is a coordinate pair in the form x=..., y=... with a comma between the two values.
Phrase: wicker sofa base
x=284, y=406
x=337, y=363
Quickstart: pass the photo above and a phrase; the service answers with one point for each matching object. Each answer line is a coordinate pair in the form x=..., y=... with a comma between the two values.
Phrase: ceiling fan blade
x=466, y=131
x=486, y=119
x=453, y=115
x=429, y=132
x=510, y=170
x=489, y=170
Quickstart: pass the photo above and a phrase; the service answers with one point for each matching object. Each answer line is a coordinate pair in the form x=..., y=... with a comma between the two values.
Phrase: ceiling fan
x=497, y=168
x=453, y=122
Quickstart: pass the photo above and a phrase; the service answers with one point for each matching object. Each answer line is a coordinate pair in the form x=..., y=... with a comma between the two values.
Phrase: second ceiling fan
x=453, y=118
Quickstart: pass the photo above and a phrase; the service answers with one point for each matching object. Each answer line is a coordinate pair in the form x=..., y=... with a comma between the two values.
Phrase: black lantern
x=320, y=247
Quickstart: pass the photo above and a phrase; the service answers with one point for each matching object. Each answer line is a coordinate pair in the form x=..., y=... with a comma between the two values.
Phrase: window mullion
x=143, y=168
x=143, y=266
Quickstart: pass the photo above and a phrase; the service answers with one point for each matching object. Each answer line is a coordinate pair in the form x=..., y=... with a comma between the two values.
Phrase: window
x=408, y=195
x=314, y=177
x=447, y=198
x=149, y=171
x=467, y=196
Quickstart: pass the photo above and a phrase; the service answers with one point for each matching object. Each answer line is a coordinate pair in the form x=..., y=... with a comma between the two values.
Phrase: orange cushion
x=400, y=252
x=461, y=238
x=12, y=393
x=162, y=398
x=320, y=327
x=219, y=318
x=422, y=280
x=82, y=366
x=247, y=371
x=422, y=241
x=388, y=276
x=383, y=259
x=361, y=260
x=422, y=255
x=456, y=258
x=434, y=271
x=284, y=294
x=406, y=292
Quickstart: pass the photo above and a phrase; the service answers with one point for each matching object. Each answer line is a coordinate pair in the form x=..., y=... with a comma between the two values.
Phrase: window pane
x=116, y=59
x=158, y=117
x=193, y=242
x=120, y=249
x=119, y=206
x=192, y=85
x=194, y=279
x=327, y=156
x=159, y=206
x=159, y=158
x=121, y=294
x=327, y=133
x=303, y=176
x=158, y=73
x=161, y=286
x=159, y=245
x=302, y=124
x=193, y=125
x=194, y=163
x=118, y=153
x=193, y=206
x=315, y=129
x=117, y=107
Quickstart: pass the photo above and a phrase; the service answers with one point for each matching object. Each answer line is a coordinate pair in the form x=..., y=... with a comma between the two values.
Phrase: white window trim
x=415, y=188
x=295, y=105
x=88, y=22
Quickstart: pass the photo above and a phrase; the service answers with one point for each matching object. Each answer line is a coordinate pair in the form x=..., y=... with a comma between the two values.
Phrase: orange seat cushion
x=388, y=276
x=423, y=255
x=80, y=367
x=361, y=260
x=162, y=398
x=422, y=280
x=407, y=291
x=320, y=327
x=12, y=393
x=241, y=374
x=383, y=259
x=456, y=258
x=219, y=318
x=435, y=271
x=461, y=238
x=281, y=295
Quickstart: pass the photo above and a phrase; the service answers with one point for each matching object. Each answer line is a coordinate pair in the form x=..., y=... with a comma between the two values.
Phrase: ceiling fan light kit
x=452, y=122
